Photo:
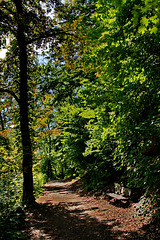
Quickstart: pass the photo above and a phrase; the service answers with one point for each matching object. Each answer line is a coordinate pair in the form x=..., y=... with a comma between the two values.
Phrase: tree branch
x=46, y=35
x=11, y=93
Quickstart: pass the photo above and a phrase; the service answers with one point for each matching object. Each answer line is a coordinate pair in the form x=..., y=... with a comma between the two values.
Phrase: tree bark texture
x=49, y=169
x=28, y=197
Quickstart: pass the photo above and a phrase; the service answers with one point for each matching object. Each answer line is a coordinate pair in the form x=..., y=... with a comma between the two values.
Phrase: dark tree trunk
x=5, y=140
x=62, y=173
x=49, y=170
x=28, y=197
x=2, y=122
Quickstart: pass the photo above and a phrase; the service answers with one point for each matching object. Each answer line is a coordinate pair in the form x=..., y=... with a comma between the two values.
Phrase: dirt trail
x=62, y=214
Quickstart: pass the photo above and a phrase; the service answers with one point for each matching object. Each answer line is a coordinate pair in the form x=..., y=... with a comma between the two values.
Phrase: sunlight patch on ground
x=37, y=234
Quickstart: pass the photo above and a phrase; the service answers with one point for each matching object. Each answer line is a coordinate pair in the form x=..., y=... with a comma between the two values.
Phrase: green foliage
x=11, y=224
x=98, y=175
x=39, y=181
x=117, y=97
x=10, y=191
x=11, y=220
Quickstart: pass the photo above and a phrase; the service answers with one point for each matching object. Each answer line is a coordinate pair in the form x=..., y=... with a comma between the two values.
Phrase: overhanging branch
x=11, y=93
x=55, y=33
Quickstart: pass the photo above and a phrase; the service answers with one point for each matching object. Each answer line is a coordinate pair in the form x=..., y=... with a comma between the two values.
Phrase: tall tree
x=25, y=23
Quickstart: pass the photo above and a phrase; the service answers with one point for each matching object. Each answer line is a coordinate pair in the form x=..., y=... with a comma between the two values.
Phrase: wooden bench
x=118, y=200
x=117, y=196
x=120, y=196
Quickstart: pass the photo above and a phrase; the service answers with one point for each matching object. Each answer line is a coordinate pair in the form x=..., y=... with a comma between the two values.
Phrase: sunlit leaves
x=89, y=113
x=147, y=12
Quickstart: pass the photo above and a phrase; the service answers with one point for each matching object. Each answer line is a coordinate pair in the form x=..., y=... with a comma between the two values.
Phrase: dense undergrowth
x=12, y=214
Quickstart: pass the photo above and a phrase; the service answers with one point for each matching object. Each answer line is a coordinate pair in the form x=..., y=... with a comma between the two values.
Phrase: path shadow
x=49, y=221
x=57, y=222
x=67, y=221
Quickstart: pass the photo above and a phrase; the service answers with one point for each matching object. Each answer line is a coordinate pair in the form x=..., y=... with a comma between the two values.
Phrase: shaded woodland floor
x=63, y=214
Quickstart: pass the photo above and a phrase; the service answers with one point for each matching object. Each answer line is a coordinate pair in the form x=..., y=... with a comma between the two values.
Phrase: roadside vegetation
x=85, y=105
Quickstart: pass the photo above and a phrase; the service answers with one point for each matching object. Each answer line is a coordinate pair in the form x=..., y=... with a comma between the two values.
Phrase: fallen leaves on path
x=62, y=214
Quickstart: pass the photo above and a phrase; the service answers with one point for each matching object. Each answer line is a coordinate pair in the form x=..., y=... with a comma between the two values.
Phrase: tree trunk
x=5, y=140
x=49, y=170
x=28, y=197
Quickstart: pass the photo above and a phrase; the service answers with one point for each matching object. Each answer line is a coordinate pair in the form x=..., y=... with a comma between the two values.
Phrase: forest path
x=62, y=214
